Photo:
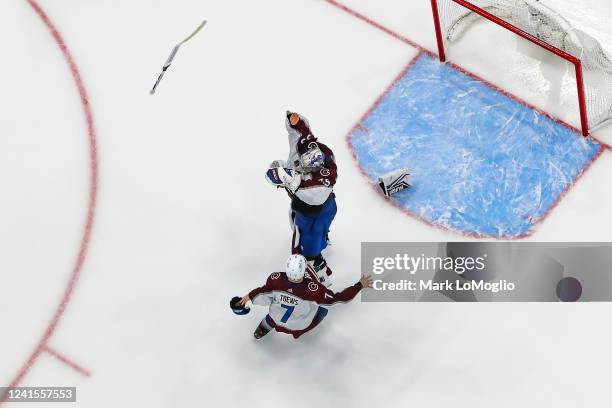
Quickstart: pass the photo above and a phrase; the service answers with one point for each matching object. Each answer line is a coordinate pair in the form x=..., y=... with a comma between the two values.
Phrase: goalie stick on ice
x=173, y=54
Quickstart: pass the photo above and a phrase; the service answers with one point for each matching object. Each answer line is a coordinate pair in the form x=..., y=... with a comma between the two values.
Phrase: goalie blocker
x=394, y=181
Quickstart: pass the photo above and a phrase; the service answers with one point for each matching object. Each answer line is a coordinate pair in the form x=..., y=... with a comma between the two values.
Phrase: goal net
x=538, y=23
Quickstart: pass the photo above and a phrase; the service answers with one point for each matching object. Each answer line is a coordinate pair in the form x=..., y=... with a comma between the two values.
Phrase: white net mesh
x=535, y=18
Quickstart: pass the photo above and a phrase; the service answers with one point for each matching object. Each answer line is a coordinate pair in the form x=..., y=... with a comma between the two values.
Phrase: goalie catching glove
x=283, y=177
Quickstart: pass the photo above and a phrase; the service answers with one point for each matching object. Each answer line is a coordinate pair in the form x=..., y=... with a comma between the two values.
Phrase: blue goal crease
x=481, y=162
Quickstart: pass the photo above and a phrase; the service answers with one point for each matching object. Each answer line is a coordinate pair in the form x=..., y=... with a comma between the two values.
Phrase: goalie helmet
x=312, y=159
x=296, y=267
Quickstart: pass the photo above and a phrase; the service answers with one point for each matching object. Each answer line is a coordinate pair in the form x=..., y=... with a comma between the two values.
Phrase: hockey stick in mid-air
x=173, y=54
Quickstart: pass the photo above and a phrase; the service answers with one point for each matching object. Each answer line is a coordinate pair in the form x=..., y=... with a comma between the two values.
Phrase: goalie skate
x=322, y=270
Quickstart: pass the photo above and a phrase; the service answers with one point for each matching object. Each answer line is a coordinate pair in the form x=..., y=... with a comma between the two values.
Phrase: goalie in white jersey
x=296, y=299
x=309, y=176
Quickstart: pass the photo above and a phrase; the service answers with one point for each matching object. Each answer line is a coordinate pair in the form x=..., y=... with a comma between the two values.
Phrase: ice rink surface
x=183, y=220
x=481, y=163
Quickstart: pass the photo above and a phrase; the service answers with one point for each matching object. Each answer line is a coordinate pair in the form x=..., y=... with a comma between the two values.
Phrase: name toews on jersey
x=294, y=305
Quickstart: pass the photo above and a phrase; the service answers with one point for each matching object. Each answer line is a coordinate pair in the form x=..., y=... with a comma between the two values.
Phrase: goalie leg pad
x=313, y=229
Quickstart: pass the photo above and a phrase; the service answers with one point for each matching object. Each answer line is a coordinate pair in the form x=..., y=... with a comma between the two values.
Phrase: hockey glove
x=283, y=177
x=278, y=163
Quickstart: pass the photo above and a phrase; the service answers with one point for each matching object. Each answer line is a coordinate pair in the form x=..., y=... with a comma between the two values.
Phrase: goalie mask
x=313, y=159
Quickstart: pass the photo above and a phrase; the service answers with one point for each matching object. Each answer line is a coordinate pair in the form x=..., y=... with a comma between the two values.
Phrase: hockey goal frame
x=496, y=20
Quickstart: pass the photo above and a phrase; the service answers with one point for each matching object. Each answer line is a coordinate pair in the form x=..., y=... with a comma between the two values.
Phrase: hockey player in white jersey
x=298, y=302
x=309, y=176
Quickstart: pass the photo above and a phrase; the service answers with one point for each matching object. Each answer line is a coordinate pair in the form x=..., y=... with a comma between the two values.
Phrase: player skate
x=297, y=301
x=308, y=176
x=260, y=331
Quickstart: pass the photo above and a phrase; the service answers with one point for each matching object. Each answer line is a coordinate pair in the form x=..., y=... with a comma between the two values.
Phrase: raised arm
x=329, y=298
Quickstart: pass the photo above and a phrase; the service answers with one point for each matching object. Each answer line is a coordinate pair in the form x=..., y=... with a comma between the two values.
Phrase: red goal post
x=528, y=36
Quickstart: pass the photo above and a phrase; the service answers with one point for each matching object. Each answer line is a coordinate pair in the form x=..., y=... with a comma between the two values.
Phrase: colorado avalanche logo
x=313, y=287
x=324, y=172
x=275, y=275
x=307, y=138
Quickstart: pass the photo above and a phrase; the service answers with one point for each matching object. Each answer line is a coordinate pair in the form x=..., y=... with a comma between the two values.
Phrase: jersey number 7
x=287, y=313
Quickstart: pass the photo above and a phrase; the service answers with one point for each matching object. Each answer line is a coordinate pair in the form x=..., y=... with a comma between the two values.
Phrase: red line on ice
x=554, y=205
x=93, y=188
x=368, y=20
x=76, y=367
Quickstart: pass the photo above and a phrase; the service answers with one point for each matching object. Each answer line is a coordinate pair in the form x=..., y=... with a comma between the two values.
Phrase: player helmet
x=312, y=159
x=296, y=267
x=238, y=308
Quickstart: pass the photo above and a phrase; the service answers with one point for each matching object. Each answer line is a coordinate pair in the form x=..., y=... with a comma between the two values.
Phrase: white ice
x=185, y=220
